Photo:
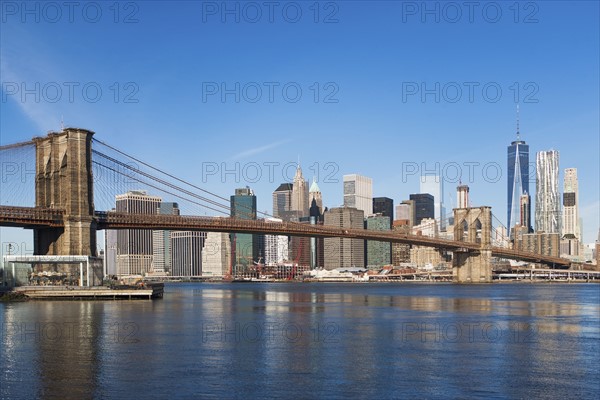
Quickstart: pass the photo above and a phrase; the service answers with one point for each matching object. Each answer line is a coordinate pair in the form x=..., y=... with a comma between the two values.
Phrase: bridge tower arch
x=63, y=180
x=473, y=225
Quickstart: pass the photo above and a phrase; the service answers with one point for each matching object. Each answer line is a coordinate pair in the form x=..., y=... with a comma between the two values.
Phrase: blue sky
x=161, y=68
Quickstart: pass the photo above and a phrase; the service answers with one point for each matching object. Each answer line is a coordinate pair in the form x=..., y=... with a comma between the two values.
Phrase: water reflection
x=58, y=343
x=371, y=341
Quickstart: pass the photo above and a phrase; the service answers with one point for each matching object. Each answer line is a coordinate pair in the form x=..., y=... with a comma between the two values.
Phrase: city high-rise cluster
x=555, y=229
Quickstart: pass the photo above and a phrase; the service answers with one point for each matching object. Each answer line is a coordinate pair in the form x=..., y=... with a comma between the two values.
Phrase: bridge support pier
x=64, y=180
x=473, y=225
x=472, y=267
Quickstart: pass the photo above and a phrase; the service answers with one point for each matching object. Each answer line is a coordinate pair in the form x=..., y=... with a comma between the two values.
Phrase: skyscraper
x=276, y=246
x=547, y=199
x=135, y=246
x=216, y=254
x=316, y=218
x=358, y=193
x=300, y=193
x=186, y=253
x=245, y=245
x=299, y=247
x=315, y=194
x=518, y=177
x=385, y=207
x=282, y=200
x=405, y=211
x=434, y=185
x=161, y=241
x=299, y=250
x=378, y=253
x=423, y=206
x=317, y=245
x=110, y=252
x=570, y=226
x=401, y=251
x=344, y=252
x=525, y=215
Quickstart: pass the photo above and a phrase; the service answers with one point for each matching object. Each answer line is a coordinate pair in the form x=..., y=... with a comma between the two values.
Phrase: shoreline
x=503, y=281
x=10, y=296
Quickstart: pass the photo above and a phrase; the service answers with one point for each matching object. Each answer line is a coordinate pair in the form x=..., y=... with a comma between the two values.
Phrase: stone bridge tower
x=64, y=180
x=473, y=225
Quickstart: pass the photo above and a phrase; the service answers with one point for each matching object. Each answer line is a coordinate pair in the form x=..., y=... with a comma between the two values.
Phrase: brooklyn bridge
x=64, y=219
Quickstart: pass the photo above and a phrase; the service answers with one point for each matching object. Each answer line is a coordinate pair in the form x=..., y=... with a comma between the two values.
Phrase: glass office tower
x=518, y=180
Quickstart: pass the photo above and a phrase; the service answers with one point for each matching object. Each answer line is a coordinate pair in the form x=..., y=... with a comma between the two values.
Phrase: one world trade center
x=518, y=182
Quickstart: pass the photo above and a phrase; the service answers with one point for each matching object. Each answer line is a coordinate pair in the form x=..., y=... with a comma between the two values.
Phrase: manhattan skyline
x=376, y=128
x=146, y=145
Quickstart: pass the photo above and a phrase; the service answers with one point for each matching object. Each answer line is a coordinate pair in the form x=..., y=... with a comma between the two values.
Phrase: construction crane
x=258, y=265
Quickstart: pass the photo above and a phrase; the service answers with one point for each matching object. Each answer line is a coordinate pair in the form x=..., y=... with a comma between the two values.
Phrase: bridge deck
x=31, y=217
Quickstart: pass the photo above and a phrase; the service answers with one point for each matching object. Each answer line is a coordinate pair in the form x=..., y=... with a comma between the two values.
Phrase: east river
x=309, y=340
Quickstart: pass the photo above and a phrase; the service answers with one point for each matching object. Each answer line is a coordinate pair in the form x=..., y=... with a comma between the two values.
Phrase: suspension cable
x=178, y=179
x=157, y=188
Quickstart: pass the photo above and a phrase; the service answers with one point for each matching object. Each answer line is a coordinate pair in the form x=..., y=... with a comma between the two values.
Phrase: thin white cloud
x=258, y=150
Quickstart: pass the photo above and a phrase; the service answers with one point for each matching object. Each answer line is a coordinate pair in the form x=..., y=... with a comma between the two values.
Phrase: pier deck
x=150, y=291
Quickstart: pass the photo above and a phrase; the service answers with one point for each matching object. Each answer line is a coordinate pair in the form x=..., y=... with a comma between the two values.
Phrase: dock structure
x=68, y=277
x=82, y=271
x=432, y=276
x=148, y=291
x=542, y=274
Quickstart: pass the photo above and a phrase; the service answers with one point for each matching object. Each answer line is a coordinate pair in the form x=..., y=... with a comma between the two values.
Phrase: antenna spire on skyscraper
x=518, y=133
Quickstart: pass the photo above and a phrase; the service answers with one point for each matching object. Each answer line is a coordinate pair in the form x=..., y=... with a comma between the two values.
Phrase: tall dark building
x=525, y=216
x=317, y=245
x=282, y=199
x=518, y=178
x=385, y=207
x=245, y=246
x=424, y=206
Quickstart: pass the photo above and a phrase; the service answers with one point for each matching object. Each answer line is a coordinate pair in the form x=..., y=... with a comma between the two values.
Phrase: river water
x=296, y=341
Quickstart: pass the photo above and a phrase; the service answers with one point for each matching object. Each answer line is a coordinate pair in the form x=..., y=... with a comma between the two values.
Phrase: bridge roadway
x=31, y=217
